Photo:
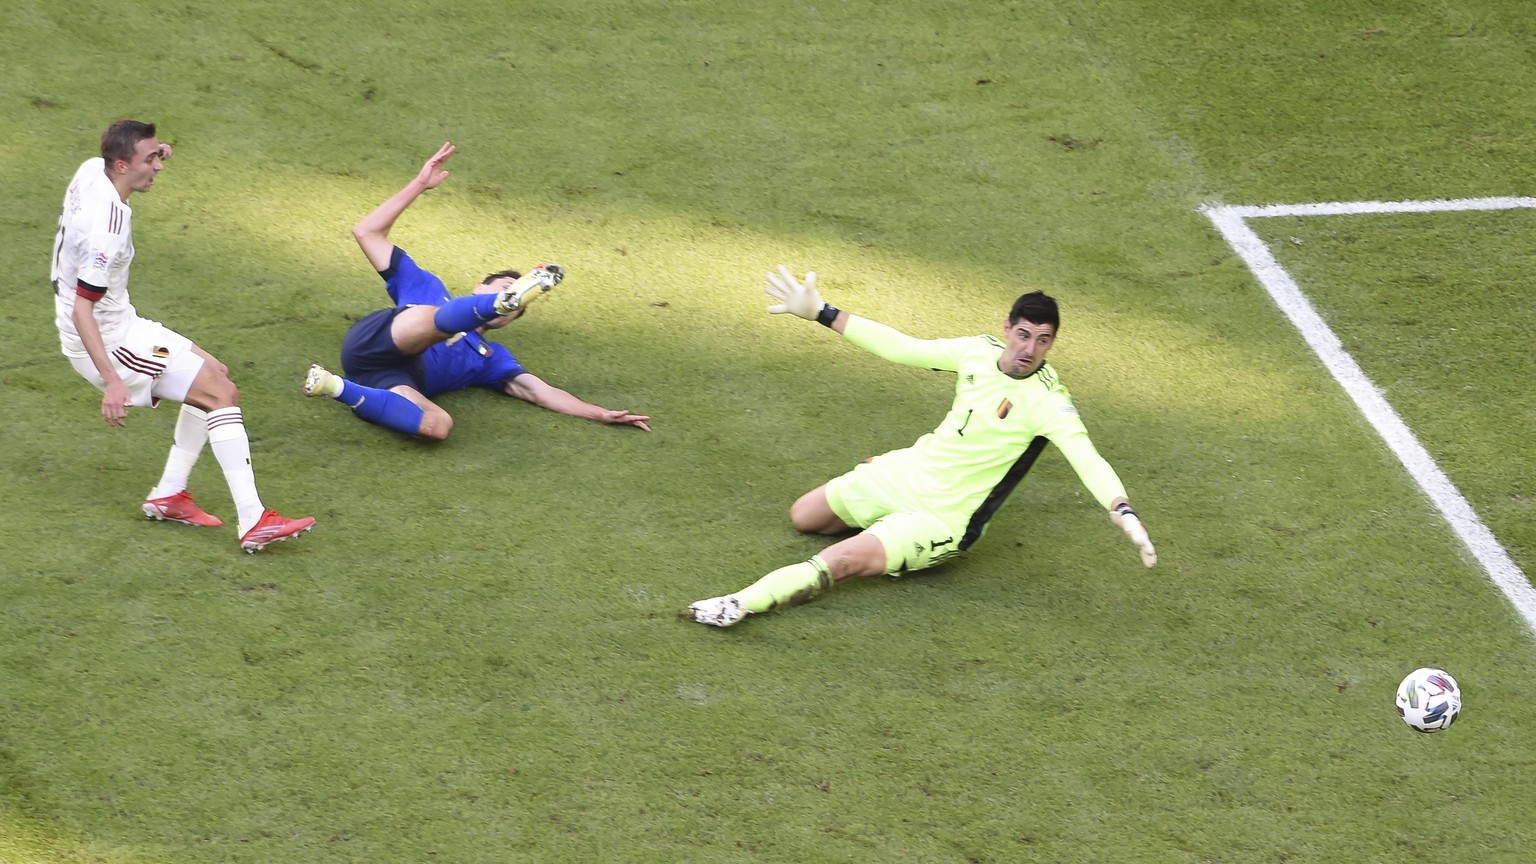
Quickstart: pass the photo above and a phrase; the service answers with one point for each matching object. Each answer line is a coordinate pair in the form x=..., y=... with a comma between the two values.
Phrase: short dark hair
x=1036, y=307
x=122, y=138
x=510, y=274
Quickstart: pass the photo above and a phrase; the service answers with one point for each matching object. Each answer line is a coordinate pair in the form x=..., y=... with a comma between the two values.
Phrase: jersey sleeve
x=897, y=347
x=104, y=247
x=1071, y=438
x=409, y=285
x=499, y=367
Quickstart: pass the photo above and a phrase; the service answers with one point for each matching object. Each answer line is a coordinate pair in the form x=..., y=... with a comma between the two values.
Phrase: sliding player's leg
x=895, y=539
x=414, y=329
x=896, y=544
x=397, y=406
x=813, y=514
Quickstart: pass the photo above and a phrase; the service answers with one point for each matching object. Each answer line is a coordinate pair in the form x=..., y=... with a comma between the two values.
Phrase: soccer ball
x=1429, y=700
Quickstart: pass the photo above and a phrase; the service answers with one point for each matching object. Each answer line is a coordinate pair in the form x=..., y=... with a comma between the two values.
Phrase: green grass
x=475, y=656
x=1418, y=298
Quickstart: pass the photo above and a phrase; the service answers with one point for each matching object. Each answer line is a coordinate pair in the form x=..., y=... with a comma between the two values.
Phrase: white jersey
x=94, y=246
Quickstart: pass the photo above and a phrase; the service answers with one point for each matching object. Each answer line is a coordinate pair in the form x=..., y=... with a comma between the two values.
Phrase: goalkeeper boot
x=718, y=611
x=180, y=508
x=319, y=382
x=532, y=284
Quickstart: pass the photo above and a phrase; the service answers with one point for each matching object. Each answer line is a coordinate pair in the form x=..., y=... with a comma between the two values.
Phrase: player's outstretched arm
x=533, y=389
x=1127, y=521
x=801, y=298
x=372, y=233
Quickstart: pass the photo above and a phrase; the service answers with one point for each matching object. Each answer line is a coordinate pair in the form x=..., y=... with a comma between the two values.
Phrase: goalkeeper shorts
x=914, y=537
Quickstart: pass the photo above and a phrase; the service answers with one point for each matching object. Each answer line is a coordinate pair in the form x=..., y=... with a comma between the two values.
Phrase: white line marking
x=1233, y=225
x=1351, y=208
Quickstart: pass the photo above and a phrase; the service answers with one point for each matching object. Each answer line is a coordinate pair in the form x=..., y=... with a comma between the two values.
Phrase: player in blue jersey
x=918, y=506
x=430, y=342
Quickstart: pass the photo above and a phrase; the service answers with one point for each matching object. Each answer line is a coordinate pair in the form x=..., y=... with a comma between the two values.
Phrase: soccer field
x=1374, y=403
x=1321, y=409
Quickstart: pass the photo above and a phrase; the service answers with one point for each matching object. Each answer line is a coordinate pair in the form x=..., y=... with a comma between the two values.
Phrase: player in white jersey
x=137, y=362
x=920, y=505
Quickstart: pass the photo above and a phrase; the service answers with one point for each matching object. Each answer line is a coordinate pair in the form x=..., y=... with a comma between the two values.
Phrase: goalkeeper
x=919, y=506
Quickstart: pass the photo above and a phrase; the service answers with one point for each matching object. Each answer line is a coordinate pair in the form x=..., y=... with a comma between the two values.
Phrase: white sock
x=191, y=435
x=231, y=446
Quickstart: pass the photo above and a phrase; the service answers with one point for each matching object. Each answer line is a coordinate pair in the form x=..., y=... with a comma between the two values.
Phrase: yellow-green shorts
x=914, y=537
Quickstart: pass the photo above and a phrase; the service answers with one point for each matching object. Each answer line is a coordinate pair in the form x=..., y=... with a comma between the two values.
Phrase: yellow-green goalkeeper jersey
x=995, y=430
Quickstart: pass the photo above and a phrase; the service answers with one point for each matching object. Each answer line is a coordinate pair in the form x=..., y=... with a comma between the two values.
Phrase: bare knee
x=213, y=389
x=435, y=425
x=802, y=517
x=858, y=556
x=813, y=515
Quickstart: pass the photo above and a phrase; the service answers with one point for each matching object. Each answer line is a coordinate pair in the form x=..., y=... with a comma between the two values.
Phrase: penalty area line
x=1232, y=223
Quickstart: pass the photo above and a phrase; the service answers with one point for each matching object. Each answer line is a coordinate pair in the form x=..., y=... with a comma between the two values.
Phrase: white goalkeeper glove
x=793, y=296
x=1128, y=522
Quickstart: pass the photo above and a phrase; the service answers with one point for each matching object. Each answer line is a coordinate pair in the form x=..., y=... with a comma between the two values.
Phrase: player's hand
x=794, y=296
x=114, y=403
x=1130, y=524
x=432, y=173
x=165, y=151
x=624, y=418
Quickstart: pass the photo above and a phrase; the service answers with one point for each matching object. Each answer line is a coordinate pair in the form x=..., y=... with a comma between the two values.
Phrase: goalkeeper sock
x=465, y=313
x=384, y=407
x=787, y=586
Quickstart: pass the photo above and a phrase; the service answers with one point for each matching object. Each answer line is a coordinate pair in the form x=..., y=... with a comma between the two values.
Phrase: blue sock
x=384, y=407
x=465, y=313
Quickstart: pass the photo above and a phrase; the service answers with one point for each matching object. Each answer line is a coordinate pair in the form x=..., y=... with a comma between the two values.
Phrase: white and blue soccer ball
x=1429, y=699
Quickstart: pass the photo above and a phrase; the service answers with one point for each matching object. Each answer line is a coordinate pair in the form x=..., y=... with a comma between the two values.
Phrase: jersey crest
x=1004, y=408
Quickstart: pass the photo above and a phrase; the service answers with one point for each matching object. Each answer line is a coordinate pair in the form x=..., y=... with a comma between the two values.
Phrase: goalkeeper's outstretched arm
x=800, y=297
x=1102, y=481
x=1129, y=523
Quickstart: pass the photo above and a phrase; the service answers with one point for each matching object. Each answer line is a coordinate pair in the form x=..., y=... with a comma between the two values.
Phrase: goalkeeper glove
x=801, y=299
x=1127, y=521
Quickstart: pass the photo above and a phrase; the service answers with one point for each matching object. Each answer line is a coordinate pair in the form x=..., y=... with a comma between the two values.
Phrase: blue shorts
x=369, y=356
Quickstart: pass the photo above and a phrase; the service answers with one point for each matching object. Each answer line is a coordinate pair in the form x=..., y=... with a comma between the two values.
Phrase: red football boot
x=180, y=508
x=272, y=528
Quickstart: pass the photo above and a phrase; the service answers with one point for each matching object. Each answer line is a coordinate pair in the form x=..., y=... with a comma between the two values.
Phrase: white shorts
x=154, y=361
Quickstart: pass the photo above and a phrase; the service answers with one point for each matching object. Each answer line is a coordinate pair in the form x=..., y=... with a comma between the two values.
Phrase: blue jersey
x=470, y=361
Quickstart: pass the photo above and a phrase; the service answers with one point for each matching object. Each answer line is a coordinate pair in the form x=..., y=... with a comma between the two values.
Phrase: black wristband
x=827, y=315
x=1124, y=509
